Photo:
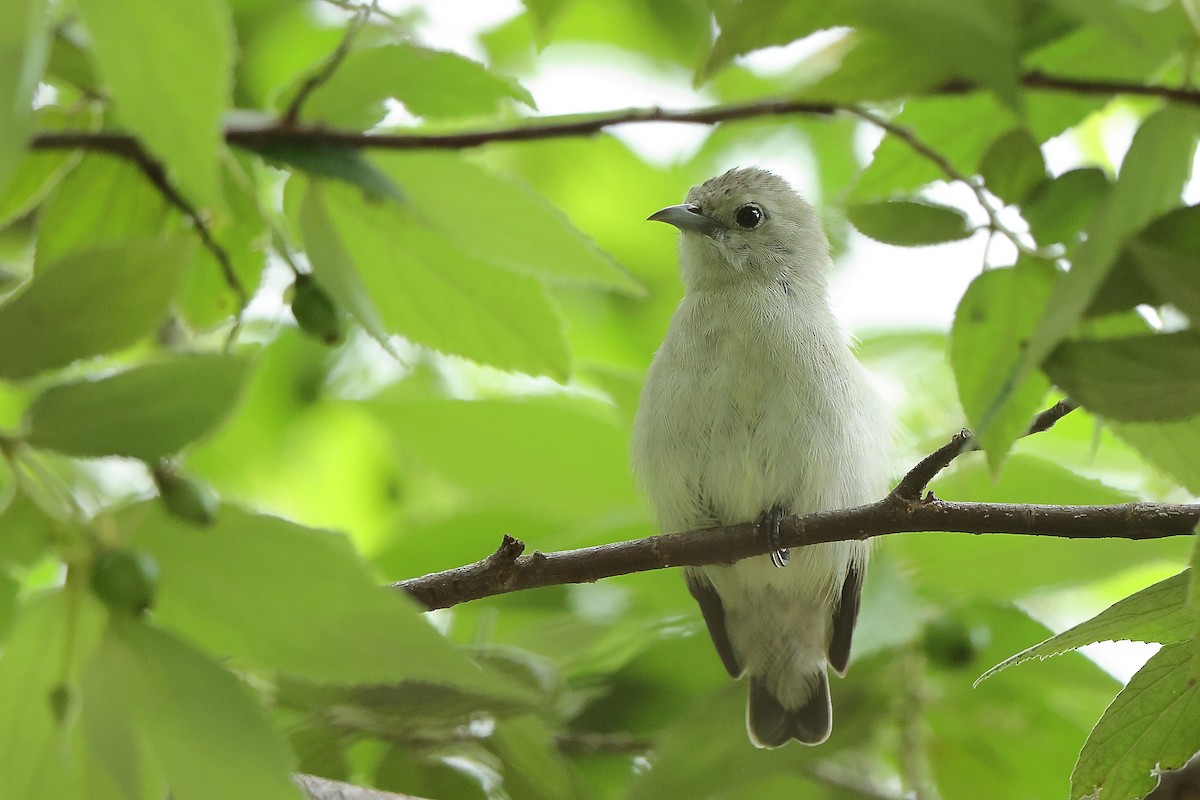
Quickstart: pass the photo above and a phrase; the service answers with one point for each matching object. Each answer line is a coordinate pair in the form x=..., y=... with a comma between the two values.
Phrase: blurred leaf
x=416, y=76
x=533, y=767
x=1152, y=725
x=38, y=172
x=909, y=223
x=23, y=51
x=149, y=411
x=428, y=289
x=1013, y=166
x=994, y=318
x=1158, y=613
x=1167, y=255
x=318, y=614
x=566, y=457
x=754, y=24
x=88, y=303
x=171, y=81
x=1134, y=378
x=1058, y=208
x=38, y=755
x=330, y=161
x=501, y=222
x=196, y=721
x=1150, y=182
x=1170, y=446
x=877, y=67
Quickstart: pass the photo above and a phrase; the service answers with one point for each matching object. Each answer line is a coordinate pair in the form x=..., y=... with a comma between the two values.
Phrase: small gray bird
x=755, y=407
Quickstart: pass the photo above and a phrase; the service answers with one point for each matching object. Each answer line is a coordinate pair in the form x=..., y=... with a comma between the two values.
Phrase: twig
x=326, y=70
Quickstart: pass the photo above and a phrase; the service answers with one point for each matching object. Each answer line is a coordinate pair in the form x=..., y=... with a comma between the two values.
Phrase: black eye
x=748, y=216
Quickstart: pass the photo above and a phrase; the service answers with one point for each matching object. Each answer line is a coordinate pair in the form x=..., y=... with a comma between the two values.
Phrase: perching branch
x=509, y=570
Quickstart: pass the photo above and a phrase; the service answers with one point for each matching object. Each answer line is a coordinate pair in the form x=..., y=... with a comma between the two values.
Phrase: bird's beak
x=686, y=217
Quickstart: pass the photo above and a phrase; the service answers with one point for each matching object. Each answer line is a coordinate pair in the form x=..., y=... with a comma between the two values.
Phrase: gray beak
x=686, y=217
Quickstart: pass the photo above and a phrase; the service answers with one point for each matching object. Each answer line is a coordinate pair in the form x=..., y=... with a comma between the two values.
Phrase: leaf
x=1143, y=378
x=88, y=303
x=1151, y=180
x=876, y=68
x=754, y=24
x=1158, y=613
x=909, y=223
x=24, y=46
x=1167, y=256
x=1057, y=209
x=1013, y=166
x=433, y=293
x=330, y=161
x=416, y=76
x=39, y=171
x=994, y=318
x=503, y=223
x=1152, y=725
x=1170, y=446
x=318, y=613
x=334, y=268
x=169, y=66
x=197, y=722
x=148, y=411
x=534, y=768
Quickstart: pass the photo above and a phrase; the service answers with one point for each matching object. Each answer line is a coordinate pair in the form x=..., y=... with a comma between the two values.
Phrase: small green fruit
x=315, y=311
x=186, y=498
x=125, y=580
x=949, y=643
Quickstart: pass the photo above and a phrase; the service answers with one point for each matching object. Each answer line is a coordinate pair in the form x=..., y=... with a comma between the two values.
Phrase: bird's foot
x=771, y=520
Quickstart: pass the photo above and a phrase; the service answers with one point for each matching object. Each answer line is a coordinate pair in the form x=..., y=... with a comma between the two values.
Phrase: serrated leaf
x=197, y=722
x=318, y=614
x=169, y=66
x=995, y=316
x=1013, y=166
x=1146, y=378
x=1158, y=614
x=149, y=411
x=333, y=266
x=909, y=223
x=417, y=77
x=1151, y=180
x=1152, y=725
x=501, y=222
x=90, y=302
x=432, y=292
x=1057, y=209
x=24, y=46
x=330, y=161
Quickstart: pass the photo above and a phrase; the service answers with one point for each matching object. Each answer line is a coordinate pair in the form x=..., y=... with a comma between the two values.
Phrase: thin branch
x=920, y=476
x=326, y=70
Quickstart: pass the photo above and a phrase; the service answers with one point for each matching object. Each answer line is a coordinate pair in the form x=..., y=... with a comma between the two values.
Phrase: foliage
x=458, y=357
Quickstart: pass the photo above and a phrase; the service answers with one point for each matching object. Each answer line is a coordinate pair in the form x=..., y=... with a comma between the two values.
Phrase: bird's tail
x=772, y=724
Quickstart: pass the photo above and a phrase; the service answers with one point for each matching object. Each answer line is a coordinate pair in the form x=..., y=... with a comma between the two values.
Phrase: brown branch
x=912, y=484
x=498, y=574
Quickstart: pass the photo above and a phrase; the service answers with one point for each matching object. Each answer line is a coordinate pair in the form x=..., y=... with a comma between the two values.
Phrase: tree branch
x=901, y=511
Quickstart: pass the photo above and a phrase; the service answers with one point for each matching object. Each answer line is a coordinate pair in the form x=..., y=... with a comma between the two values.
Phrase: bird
x=754, y=408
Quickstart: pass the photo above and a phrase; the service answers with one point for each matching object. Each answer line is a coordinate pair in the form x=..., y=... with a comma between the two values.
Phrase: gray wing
x=714, y=616
x=844, y=617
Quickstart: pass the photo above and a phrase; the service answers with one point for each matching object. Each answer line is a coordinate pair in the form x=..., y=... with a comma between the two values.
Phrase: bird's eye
x=748, y=216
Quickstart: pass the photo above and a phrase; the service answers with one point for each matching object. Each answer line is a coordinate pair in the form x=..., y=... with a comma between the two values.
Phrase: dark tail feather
x=772, y=725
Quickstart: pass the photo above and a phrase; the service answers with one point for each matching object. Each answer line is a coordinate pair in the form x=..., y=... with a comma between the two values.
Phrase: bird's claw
x=772, y=520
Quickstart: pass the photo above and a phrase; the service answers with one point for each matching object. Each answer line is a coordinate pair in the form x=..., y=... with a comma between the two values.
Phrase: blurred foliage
x=444, y=346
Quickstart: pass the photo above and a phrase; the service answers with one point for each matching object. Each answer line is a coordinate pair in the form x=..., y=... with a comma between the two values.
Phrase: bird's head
x=748, y=224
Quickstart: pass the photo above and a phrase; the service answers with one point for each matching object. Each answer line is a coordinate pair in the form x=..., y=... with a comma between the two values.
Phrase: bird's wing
x=844, y=617
x=714, y=616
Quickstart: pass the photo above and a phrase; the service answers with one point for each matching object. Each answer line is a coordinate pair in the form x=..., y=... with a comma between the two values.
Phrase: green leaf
x=195, y=721
x=909, y=223
x=1057, y=209
x=1158, y=613
x=1013, y=166
x=533, y=766
x=330, y=161
x=169, y=66
x=1170, y=446
x=24, y=45
x=148, y=411
x=39, y=171
x=754, y=24
x=1151, y=180
x=1167, y=256
x=876, y=68
x=435, y=294
x=503, y=223
x=318, y=613
x=88, y=303
x=333, y=267
x=1133, y=378
x=995, y=316
x=416, y=76
x=1152, y=725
